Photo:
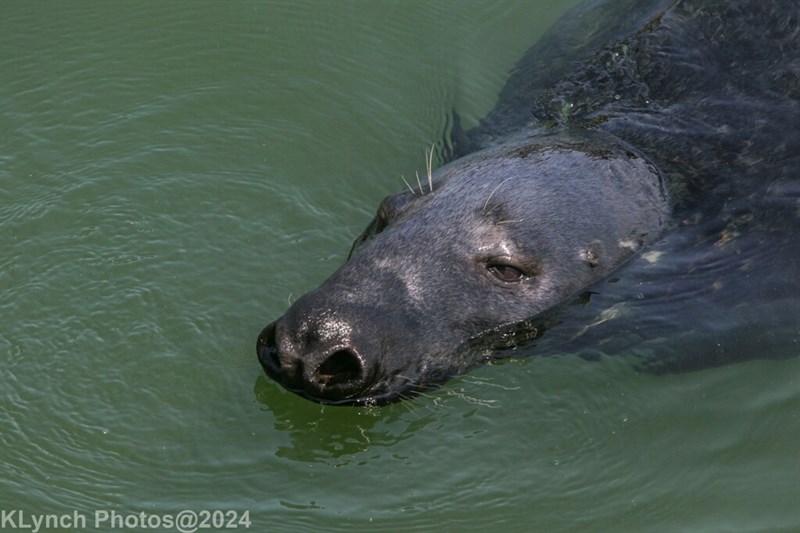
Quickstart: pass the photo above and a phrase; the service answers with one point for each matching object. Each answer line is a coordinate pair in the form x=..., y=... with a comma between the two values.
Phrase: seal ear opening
x=393, y=206
x=390, y=209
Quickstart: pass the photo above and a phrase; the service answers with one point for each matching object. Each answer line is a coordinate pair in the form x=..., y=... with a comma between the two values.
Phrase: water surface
x=174, y=174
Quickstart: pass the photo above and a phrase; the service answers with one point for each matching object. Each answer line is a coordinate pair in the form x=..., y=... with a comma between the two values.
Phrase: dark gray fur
x=565, y=180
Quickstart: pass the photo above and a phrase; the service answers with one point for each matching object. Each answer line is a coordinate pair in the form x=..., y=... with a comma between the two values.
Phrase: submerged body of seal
x=680, y=115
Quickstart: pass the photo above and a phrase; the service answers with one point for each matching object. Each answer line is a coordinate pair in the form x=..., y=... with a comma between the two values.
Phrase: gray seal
x=684, y=107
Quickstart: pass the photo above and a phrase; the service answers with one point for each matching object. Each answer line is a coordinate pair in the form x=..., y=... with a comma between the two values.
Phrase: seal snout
x=327, y=372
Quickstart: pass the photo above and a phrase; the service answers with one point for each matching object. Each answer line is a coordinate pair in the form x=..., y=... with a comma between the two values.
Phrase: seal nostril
x=267, y=349
x=276, y=361
x=266, y=339
x=342, y=366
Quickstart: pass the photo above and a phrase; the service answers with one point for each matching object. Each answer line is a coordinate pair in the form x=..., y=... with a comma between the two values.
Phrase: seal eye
x=505, y=273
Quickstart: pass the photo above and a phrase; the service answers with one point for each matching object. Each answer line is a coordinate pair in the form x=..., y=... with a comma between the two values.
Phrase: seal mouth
x=362, y=401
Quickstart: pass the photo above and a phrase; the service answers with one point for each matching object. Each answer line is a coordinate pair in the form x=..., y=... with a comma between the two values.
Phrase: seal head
x=504, y=235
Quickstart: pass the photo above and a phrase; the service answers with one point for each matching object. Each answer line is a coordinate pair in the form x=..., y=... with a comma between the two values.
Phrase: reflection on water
x=339, y=435
x=332, y=435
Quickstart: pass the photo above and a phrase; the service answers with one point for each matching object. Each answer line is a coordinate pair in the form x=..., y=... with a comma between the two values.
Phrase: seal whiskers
x=429, y=164
x=407, y=185
x=486, y=203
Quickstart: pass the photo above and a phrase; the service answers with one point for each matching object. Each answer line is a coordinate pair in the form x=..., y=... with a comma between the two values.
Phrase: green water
x=174, y=173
